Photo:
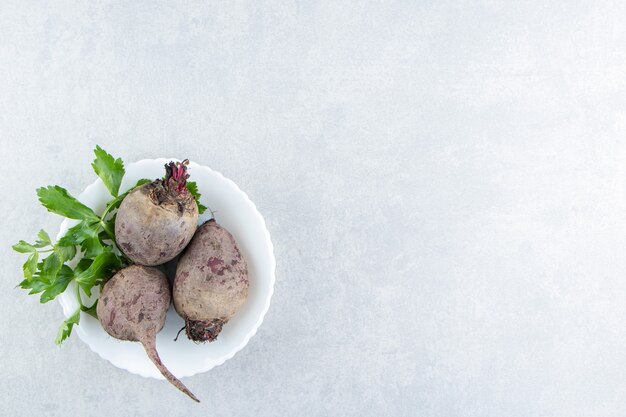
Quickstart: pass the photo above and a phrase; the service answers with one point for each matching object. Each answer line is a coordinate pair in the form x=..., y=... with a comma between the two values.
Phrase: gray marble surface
x=445, y=184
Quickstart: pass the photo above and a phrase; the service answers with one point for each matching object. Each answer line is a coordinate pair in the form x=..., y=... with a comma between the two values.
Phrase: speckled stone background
x=444, y=181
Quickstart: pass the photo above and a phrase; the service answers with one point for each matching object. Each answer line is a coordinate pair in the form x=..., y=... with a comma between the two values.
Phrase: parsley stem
x=110, y=205
x=107, y=231
x=78, y=297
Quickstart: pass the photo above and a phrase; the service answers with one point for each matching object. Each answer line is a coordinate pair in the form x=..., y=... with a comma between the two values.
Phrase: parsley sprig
x=48, y=269
x=51, y=266
x=193, y=189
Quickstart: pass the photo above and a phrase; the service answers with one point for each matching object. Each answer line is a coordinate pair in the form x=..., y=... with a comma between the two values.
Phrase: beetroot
x=211, y=282
x=132, y=306
x=157, y=220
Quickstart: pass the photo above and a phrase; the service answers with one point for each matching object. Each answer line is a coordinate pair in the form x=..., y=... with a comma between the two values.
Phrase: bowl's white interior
x=233, y=210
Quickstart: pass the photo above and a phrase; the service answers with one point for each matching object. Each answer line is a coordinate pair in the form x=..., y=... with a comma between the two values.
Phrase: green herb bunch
x=48, y=270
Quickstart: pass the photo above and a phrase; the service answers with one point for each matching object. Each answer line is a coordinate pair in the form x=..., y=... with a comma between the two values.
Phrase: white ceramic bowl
x=233, y=210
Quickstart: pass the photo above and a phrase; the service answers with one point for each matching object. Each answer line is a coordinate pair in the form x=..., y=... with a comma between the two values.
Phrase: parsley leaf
x=59, y=285
x=57, y=200
x=83, y=264
x=91, y=247
x=30, y=266
x=66, y=328
x=75, y=235
x=23, y=247
x=43, y=239
x=193, y=189
x=35, y=285
x=141, y=182
x=86, y=235
x=50, y=268
x=110, y=170
x=66, y=253
x=101, y=267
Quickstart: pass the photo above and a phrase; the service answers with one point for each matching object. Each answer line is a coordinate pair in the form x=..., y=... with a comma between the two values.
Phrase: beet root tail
x=150, y=347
